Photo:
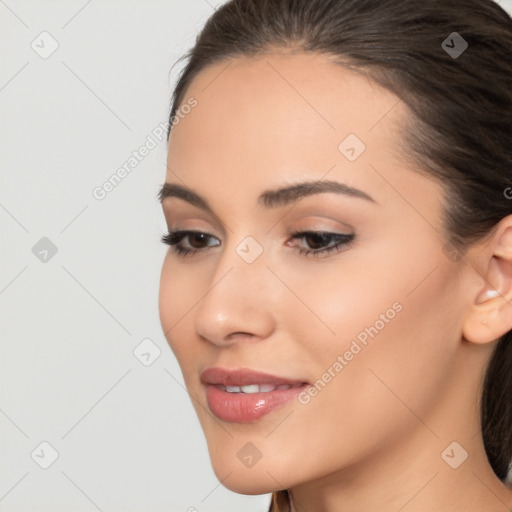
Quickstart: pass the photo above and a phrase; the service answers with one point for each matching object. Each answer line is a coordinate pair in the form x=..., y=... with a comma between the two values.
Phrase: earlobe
x=490, y=317
x=490, y=314
x=486, y=321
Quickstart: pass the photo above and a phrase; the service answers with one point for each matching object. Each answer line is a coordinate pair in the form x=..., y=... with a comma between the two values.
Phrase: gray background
x=125, y=432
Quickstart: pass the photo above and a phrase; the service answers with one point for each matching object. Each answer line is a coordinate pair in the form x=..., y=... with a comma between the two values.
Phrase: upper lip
x=242, y=377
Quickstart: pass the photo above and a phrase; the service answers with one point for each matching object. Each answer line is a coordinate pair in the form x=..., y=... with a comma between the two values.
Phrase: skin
x=372, y=439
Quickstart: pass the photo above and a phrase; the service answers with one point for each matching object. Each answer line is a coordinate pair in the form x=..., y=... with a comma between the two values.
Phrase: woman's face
x=372, y=324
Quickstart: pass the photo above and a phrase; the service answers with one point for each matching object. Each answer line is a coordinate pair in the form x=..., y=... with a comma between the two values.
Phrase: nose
x=238, y=303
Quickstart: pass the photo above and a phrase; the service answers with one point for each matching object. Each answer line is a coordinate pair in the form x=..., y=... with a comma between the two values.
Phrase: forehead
x=279, y=115
x=295, y=77
x=303, y=94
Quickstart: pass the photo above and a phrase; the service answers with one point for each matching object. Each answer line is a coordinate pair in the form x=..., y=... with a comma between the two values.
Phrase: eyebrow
x=269, y=198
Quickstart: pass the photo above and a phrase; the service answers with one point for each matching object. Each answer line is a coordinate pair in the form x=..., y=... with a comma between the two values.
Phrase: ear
x=490, y=314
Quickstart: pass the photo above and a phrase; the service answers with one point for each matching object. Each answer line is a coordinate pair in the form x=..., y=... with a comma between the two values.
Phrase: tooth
x=250, y=388
x=255, y=388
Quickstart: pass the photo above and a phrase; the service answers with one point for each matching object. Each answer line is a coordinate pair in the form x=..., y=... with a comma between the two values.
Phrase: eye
x=319, y=242
x=196, y=239
x=322, y=242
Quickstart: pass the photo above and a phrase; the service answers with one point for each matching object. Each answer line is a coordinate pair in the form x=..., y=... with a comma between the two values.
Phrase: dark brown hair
x=460, y=127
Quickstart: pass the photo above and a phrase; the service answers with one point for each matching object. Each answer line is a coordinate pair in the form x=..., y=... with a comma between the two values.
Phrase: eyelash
x=174, y=238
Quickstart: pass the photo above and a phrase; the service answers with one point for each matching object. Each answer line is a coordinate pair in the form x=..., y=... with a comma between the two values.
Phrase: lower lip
x=247, y=407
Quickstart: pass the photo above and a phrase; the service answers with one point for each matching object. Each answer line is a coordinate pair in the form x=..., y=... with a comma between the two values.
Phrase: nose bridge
x=243, y=264
x=237, y=298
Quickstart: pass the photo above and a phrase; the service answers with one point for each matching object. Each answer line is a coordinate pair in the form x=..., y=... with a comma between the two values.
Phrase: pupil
x=317, y=240
x=195, y=238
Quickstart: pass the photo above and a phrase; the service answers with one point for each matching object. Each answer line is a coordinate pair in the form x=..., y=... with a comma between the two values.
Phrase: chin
x=242, y=480
x=249, y=484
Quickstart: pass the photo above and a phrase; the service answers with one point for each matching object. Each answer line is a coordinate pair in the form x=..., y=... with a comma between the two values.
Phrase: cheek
x=167, y=299
x=177, y=297
x=397, y=320
x=334, y=304
x=397, y=343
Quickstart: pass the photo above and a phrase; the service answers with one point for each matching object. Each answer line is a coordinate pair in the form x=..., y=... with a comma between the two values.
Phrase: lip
x=242, y=377
x=246, y=407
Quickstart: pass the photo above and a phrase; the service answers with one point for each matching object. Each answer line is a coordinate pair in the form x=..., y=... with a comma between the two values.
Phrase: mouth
x=244, y=396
